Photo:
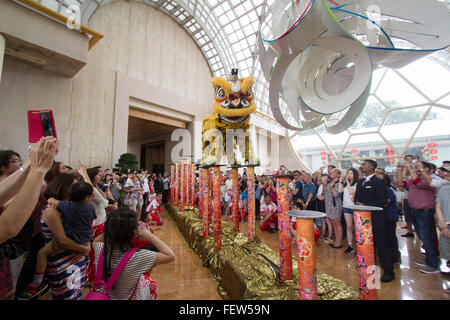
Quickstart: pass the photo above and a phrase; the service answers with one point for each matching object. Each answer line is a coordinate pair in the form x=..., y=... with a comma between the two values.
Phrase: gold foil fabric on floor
x=250, y=270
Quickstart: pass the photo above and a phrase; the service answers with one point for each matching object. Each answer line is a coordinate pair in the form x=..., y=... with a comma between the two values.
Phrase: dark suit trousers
x=382, y=235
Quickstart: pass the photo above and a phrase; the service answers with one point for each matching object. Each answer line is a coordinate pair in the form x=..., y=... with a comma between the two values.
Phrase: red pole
x=210, y=198
x=217, y=214
x=205, y=199
x=172, y=184
x=306, y=245
x=177, y=182
x=193, y=184
x=251, y=202
x=284, y=229
x=365, y=254
x=182, y=185
x=187, y=173
x=235, y=198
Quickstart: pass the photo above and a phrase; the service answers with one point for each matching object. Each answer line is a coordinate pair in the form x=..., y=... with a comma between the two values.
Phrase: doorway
x=153, y=157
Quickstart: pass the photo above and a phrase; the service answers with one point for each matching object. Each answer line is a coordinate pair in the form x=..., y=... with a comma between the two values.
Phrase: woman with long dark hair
x=348, y=187
x=118, y=233
x=56, y=169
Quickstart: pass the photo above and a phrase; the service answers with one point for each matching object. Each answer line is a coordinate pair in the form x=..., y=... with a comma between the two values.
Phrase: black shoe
x=408, y=235
x=387, y=278
x=349, y=250
x=335, y=247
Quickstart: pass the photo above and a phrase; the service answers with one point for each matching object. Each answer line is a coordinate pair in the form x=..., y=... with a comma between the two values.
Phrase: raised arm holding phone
x=20, y=208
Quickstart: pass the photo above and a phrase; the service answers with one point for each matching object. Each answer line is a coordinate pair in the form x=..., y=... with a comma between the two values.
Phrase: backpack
x=96, y=295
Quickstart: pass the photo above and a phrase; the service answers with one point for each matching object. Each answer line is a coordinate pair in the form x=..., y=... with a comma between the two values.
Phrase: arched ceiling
x=226, y=31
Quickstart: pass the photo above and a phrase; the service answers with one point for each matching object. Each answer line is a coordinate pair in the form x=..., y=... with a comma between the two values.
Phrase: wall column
x=2, y=53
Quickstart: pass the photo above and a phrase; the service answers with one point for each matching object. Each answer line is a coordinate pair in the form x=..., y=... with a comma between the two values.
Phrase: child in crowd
x=223, y=193
x=77, y=218
x=268, y=213
x=197, y=196
x=294, y=206
x=154, y=209
x=241, y=213
x=298, y=206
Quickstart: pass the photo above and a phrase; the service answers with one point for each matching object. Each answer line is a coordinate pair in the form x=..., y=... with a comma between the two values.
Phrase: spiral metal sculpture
x=318, y=55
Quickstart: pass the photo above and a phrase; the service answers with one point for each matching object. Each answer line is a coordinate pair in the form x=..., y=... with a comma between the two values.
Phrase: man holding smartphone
x=421, y=200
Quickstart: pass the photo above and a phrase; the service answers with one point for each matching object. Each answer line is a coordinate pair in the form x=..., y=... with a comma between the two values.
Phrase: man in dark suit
x=372, y=191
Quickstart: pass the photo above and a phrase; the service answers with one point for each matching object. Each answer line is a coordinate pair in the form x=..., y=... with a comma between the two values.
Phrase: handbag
x=96, y=295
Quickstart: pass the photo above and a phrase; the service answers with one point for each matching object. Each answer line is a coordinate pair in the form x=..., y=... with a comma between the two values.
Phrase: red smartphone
x=40, y=124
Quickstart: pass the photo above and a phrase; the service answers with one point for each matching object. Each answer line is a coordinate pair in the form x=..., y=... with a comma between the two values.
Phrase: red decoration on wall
x=432, y=144
x=434, y=158
x=390, y=160
x=388, y=149
x=353, y=151
x=323, y=153
x=324, y=158
x=390, y=154
x=433, y=151
x=324, y=163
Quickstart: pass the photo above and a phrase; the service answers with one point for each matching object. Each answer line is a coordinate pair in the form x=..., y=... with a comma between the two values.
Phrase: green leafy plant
x=127, y=161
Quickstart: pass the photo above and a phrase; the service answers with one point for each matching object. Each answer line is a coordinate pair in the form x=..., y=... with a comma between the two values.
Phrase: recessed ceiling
x=139, y=129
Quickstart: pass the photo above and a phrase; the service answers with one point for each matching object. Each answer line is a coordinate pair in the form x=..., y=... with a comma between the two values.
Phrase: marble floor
x=186, y=278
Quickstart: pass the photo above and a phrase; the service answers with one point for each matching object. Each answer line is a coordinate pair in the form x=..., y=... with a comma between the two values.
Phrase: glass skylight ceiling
x=225, y=30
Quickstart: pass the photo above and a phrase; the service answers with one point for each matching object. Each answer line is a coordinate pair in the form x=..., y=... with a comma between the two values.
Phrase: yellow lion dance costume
x=232, y=109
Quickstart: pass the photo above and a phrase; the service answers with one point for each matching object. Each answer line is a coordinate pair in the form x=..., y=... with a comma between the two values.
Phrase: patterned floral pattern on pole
x=217, y=213
x=177, y=182
x=172, y=176
x=284, y=229
x=365, y=255
x=187, y=174
x=193, y=184
x=182, y=185
x=201, y=190
x=204, y=193
x=235, y=198
x=210, y=198
x=251, y=202
x=307, y=278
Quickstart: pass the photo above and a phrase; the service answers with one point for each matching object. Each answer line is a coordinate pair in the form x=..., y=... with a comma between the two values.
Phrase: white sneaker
x=429, y=270
x=420, y=264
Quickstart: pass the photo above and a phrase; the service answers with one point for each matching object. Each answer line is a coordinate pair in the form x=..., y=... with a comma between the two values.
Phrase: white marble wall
x=142, y=43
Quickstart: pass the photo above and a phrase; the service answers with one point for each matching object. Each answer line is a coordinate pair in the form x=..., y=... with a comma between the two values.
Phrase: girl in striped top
x=120, y=229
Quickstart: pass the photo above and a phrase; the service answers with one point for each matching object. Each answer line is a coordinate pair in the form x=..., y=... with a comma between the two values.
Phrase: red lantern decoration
x=388, y=149
x=432, y=144
x=434, y=158
x=433, y=151
x=353, y=151
x=299, y=154
x=390, y=160
x=324, y=163
x=323, y=158
x=323, y=153
x=390, y=154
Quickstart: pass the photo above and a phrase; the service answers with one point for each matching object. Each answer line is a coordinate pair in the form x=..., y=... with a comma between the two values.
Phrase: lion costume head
x=234, y=98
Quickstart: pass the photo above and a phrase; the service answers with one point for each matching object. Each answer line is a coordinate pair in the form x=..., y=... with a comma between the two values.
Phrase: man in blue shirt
x=297, y=192
x=308, y=192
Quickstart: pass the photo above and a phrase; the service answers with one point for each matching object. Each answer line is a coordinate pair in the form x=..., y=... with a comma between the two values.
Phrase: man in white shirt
x=439, y=180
